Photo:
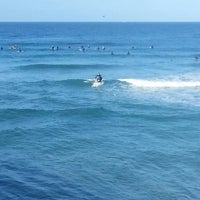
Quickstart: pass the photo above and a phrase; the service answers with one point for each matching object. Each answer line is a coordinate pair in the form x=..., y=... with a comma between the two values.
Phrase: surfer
x=98, y=77
x=98, y=81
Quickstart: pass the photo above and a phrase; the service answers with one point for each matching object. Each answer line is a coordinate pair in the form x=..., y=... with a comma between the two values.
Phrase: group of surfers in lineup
x=83, y=48
x=80, y=48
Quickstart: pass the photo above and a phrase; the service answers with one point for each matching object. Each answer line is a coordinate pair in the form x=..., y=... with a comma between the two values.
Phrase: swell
x=53, y=83
x=140, y=83
x=144, y=83
x=60, y=66
x=35, y=182
x=87, y=112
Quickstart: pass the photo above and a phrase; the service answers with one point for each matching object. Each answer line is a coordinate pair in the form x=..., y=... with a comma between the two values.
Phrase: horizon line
x=99, y=21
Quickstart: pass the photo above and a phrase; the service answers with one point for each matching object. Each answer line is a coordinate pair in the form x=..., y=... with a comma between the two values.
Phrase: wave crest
x=161, y=83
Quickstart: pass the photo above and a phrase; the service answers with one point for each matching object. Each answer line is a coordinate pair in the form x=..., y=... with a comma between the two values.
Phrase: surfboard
x=97, y=84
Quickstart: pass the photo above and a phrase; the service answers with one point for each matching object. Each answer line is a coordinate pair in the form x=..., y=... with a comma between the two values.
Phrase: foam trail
x=89, y=80
x=161, y=84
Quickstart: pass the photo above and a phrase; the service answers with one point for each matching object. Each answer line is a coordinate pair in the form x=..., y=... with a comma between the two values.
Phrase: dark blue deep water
x=137, y=137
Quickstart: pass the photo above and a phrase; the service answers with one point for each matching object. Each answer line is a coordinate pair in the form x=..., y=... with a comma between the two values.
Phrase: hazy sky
x=100, y=10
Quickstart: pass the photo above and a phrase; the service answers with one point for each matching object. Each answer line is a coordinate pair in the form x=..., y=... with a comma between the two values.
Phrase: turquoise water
x=136, y=137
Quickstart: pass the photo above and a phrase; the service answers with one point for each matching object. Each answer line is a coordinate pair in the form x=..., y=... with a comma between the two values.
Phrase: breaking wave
x=161, y=83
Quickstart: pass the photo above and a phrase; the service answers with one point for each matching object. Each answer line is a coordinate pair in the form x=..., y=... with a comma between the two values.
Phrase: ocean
x=136, y=137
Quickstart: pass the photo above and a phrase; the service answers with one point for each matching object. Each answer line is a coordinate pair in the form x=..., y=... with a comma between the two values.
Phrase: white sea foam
x=161, y=83
x=88, y=80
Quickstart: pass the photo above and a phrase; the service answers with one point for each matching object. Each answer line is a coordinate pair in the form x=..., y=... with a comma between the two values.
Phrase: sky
x=100, y=10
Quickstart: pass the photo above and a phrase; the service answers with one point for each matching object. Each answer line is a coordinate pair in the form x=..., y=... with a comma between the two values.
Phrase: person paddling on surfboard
x=98, y=77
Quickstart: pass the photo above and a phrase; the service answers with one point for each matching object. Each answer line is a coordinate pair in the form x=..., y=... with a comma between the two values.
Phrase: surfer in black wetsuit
x=98, y=77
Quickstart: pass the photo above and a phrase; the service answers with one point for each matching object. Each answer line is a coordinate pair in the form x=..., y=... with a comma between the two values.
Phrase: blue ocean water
x=137, y=137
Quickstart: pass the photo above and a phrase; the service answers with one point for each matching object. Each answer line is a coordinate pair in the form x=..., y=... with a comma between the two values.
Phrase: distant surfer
x=82, y=48
x=20, y=50
x=98, y=77
x=13, y=47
